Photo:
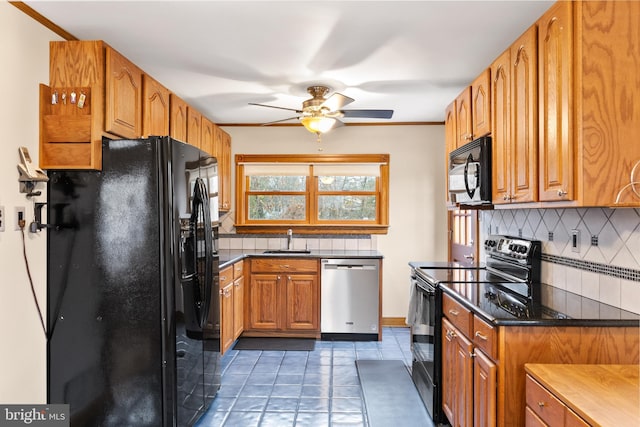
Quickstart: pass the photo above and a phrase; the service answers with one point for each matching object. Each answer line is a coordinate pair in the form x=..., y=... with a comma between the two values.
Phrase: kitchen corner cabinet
x=594, y=104
x=283, y=298
x=231, y=304
x=155, y=108
x=515, y=122
x=483, y=365
x=93, y=92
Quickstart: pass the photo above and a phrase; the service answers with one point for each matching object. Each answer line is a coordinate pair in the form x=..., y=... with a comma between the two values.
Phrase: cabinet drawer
x=532, y=420
x=457, y=314
x=284, y=265
x=571, y=419
x=484, y=337
x=238, y=269
x=544, y=404
x=226, y=276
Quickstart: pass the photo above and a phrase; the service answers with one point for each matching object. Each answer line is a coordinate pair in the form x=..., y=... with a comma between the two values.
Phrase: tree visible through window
x=312, y=192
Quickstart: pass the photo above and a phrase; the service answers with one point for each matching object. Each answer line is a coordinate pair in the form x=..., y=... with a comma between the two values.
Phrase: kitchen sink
x=287, y=251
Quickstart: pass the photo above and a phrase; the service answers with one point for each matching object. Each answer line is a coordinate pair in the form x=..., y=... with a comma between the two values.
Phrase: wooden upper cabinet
x=524, y=119
x=481, y=104
x=464, y=128
x=178, y=118
x=555, y=97
x=155, y=108
x=207, y=136
x=449, y=139
x=194, y=126
x=224, y=171
x=123, y=111
x=501, y=124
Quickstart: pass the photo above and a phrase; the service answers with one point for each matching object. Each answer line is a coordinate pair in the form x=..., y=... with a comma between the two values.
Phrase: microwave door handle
x=470, y=192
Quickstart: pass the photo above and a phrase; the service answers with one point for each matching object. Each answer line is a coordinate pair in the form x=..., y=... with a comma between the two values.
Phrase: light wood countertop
x=603, y=395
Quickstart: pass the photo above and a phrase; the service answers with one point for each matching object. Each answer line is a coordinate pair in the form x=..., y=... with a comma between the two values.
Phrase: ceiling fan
x=320, y=114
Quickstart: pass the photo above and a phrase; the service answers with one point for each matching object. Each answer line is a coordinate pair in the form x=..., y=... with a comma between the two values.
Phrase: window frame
x=312, y=224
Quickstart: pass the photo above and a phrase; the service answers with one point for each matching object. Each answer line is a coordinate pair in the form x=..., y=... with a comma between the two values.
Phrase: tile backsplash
x=604, y=263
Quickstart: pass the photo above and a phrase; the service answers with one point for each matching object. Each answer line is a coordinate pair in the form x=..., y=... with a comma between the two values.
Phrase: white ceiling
x=410, y=56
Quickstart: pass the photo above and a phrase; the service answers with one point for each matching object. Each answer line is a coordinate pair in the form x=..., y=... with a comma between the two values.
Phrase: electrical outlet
x=575, y=240
x=2, y=218
x=20, y=215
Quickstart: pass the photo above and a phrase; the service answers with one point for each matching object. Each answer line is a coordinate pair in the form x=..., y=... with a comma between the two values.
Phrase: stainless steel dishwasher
x=350, y=298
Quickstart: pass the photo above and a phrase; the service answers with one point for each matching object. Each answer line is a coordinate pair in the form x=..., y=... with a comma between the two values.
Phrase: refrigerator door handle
x=201, y=216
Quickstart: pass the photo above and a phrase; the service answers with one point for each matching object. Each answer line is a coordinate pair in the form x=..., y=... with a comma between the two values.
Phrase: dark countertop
x=557, y=307
x=230, y=256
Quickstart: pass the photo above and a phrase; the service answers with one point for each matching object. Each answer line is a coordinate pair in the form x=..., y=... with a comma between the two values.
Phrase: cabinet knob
x=541, y=404
x=453, y=312
x=561, y=193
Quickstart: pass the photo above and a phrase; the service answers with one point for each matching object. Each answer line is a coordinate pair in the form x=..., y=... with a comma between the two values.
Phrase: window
x=314, y=194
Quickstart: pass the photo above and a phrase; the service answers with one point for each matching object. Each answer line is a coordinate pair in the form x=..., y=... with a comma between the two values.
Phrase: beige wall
x=417, y=215
x=24, y=55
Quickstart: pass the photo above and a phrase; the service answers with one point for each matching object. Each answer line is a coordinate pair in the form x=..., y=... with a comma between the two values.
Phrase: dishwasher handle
x=349, y=267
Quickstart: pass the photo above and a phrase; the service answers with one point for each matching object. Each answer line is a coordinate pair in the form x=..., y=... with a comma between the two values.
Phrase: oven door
x=425, y=336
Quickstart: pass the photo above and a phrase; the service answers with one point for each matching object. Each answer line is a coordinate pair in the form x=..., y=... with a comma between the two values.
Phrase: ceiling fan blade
x=336, y=101
x=273, y=106
x=372, y=114
x=278, y=121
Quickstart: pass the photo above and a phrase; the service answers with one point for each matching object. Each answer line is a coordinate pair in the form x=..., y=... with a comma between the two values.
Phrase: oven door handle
x=427, y=289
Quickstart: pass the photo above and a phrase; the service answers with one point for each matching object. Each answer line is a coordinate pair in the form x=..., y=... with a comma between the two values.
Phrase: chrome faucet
x=289, y=239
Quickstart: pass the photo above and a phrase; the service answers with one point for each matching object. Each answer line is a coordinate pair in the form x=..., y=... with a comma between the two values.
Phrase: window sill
x=312, y=229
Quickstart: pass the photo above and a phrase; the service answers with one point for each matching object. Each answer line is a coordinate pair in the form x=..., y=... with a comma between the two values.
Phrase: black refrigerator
x=132, y=273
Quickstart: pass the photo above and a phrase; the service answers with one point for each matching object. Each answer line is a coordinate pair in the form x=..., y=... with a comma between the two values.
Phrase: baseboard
x=394, y=322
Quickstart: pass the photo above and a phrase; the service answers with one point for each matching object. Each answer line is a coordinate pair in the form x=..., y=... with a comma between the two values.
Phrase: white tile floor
x=318, y=388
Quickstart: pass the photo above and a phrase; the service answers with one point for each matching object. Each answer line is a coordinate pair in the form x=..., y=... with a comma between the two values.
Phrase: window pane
x=277, y=183
x=346, y=208
x=347, y=183
x=276, y=207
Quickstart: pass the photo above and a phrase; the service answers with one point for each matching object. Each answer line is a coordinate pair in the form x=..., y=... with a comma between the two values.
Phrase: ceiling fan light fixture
x=318, y=124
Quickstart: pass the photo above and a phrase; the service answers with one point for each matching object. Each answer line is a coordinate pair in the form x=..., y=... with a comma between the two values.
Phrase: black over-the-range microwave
x=470, y=173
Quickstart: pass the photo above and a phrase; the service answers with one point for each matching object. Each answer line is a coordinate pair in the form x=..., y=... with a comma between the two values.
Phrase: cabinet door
x=155, y=108
x=524, y=118
x=464, y=130
x=226, y=318
x=238, y=307
x=463, y=371
x=449, y=138
x=194, y=126
x=484, y=390
x=207, y=136
x=481, y=104
x=264, y=306
x=224, y=162
x=448, y=370
x=178, y=119
x=555, y=93
x=302, y=302
x=123, y=107
x=501, y=123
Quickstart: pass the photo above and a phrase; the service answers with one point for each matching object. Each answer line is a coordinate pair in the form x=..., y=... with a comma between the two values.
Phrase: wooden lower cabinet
x=283, y=297
x=231, y=305
x=483, y=372
x=544, y=409
x=469, y=381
